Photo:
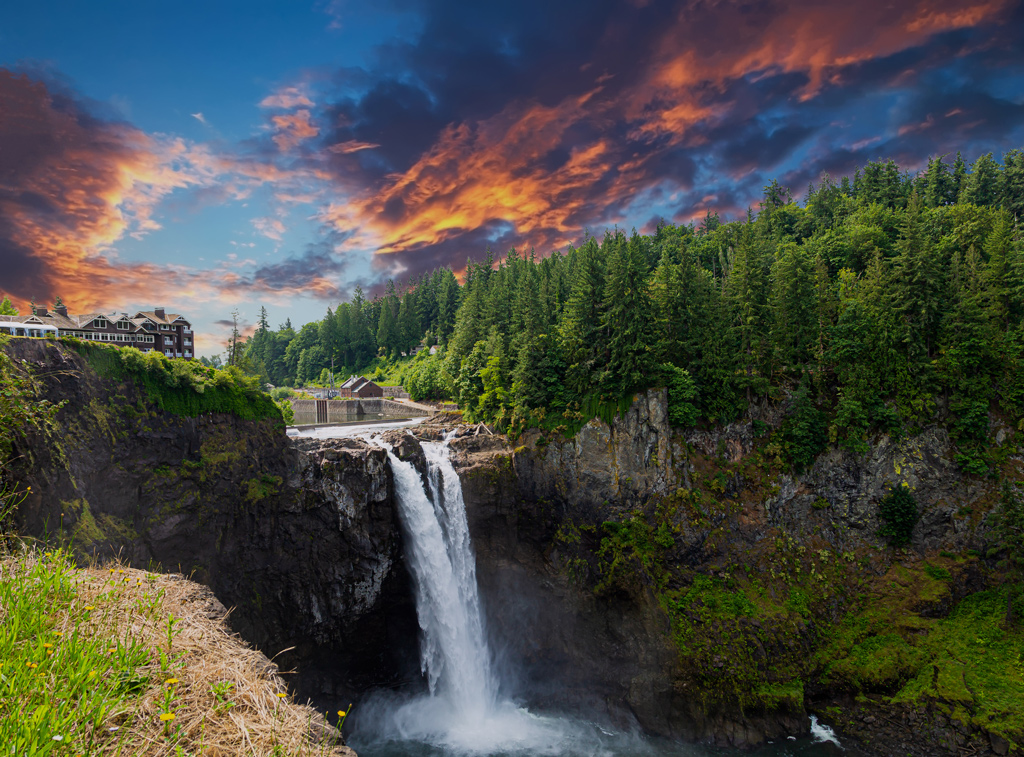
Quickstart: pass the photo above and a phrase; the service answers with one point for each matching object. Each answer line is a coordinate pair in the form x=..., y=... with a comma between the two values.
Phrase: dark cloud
x=318, y=272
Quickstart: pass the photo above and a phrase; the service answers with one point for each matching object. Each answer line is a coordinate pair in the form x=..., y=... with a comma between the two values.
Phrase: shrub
x=682, y=397
x=805, y=431
x=899, y=511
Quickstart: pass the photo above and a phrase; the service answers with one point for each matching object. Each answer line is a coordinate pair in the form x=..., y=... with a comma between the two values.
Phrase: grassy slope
x=121, y=661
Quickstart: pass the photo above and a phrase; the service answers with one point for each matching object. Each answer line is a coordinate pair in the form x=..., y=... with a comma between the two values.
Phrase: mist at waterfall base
x=465, y=712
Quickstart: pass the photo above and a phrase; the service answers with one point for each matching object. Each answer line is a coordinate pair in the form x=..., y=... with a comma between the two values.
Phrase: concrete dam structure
x=320, y=412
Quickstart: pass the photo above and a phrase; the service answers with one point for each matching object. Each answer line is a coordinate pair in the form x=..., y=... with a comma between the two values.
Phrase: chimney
x=40, y=310
x=158, y=312
x=62, y=309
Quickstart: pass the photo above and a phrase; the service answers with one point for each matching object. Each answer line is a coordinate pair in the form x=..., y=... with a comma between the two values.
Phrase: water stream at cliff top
x=464, y=712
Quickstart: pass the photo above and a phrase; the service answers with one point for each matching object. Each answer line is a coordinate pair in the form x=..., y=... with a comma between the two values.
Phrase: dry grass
x=226, y=698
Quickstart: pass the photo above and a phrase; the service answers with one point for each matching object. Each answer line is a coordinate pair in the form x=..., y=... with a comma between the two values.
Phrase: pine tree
x=1013, y=183
x=984, y=184
x=999, y=251
x=792, y=306
x=959, y=177
x=580, y=328
x=919, y=284
x=628, y=319
x=747, y=290
x=387, y=336
x=938, y=184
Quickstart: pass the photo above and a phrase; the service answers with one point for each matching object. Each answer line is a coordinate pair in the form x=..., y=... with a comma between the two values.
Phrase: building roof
x=168, y=318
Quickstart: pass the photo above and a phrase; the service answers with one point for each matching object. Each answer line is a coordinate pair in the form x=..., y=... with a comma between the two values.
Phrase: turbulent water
x=464, y=712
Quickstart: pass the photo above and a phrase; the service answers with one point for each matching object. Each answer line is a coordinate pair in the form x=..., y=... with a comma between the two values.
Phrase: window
x=164, y=327
x=100, y=323
x=123, y=325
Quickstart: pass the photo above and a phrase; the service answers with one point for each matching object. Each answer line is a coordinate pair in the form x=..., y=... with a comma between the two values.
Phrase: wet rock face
x=630, y=460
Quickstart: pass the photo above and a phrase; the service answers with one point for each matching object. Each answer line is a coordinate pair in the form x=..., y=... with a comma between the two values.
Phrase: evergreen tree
x=792, y=306
x=580, y=327
x=628, y=319
x=984, y=184
x=919, y=285
x=938, y=184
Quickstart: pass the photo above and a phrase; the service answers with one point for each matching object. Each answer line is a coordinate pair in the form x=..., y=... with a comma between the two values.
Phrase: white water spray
x=822, y=733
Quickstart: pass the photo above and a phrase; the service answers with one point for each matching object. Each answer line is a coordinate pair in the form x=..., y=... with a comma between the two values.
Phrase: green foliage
x=182, y=387
x=805, y=430
x=683, y=410
x=427, y=378
x=21, y=408
x=631, y=549
x=899, y=511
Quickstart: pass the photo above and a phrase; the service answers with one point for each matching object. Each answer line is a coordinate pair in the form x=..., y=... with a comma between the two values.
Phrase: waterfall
x=453, y=650
x=463, y=713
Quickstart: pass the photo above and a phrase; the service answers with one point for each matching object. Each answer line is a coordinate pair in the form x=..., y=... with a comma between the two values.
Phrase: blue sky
x=211, y=156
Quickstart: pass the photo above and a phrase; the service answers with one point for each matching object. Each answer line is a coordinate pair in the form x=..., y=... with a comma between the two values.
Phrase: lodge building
x=147, y=330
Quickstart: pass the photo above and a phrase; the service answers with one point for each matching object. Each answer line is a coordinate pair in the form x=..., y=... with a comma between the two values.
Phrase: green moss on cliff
x=969, y=665
x=257, y=489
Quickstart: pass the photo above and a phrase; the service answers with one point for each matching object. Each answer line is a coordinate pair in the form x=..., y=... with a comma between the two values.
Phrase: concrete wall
x=342, y=411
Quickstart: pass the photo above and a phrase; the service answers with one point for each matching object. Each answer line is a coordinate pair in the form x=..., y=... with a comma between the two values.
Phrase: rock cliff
x=300, y=539
x=697, y=584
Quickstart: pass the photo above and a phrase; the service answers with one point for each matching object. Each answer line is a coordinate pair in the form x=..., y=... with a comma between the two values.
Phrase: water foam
x=822, y=733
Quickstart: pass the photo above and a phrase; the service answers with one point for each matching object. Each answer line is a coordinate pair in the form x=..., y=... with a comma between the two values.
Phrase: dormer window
x=100, y=323
x=124, y=325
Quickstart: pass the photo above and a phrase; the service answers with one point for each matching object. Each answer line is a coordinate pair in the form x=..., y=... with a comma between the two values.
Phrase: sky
x=214, y=156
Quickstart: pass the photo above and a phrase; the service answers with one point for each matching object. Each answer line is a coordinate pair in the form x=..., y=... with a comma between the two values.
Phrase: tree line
x=881, y=300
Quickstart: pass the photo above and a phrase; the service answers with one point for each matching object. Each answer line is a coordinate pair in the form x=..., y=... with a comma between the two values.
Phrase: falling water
x=453, y=652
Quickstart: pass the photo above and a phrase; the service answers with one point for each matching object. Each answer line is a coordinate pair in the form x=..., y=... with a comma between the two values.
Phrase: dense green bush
x=683, y=410
x=899, y=511
x=182, y=387
x=805, y=431
x=427, y=379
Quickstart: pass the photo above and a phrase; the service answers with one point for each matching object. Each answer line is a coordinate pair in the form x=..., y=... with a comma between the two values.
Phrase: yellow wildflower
x=171, y=681
x=165, y=716
x=280, y=695
x=89, y=607
x=47, y=646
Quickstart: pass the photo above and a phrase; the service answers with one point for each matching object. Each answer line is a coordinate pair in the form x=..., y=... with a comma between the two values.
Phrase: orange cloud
x=496, y=169
x=71, y=187
x=352, y=145
x=287, y=98
x=292, y=128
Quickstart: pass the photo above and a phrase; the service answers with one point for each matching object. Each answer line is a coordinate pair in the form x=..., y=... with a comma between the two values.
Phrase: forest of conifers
x=881, y=303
